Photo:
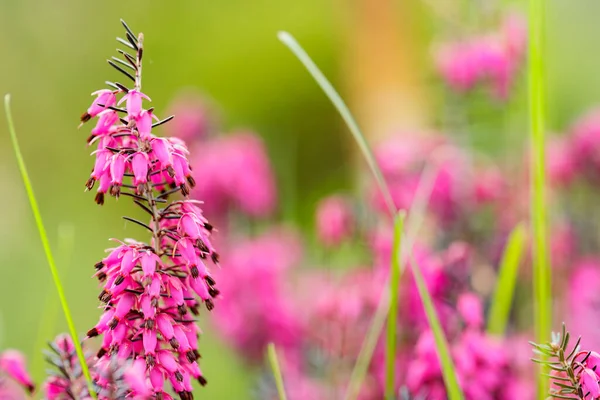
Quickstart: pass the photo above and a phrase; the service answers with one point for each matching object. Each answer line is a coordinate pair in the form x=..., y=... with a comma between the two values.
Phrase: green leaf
x=507, y=277
x=453, y=390
x=274, y=362
x=392, y=320
x=339, y=104
x=46, y=244
x=542, y=296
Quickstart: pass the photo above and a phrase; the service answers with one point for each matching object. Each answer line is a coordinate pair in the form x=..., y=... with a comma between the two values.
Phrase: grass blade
x=46, y=244
x=453, y=390
x=541, y=263
x=339, y=104
x=392, y=321
x=507, y=277
x=274, y=362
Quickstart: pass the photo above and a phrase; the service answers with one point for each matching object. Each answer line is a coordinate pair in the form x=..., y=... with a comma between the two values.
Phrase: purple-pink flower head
x=585, y=139
x=334, y=220
x=151, y=292
x=494, y=58
x=258, y=308
x=235, y=173
x=12, y=364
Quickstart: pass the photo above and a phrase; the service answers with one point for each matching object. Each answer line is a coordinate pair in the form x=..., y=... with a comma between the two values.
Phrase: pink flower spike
x=12, y=363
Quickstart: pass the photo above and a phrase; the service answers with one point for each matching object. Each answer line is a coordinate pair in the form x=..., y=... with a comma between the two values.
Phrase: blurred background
x=378, y=53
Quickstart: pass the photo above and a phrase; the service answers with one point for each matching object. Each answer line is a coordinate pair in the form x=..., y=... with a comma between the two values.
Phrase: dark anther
x=194, y=310
x=119, y=280
x=174, y=343
x=170, y=171
x=208, y=227
x=89, y=184
x=198, y=356
x=150, y=324
x=113, y=323
x=215, y=257
x=92, y=333
x=191, y=357
x=191, y=181
x=99, y=198
x=209, y=304
x=202, y=380
x=178, y=376
x=194, y=271
x=150, y=361
x=210, y=280
x=104, y=296
x=99, y=265
x=101, y=276
x=185, y=190
x=154, y=302
x=101, y=352
x=89, y=139
x=213, y=292
x=202, y=246
x=115, y=190
x=181, y=309
x=85, y=117
x=158, y=396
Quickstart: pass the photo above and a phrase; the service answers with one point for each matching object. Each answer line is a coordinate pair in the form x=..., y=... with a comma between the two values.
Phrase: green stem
x=46, y=245
x=274, y=362
x=541, y=264
x=392, y=321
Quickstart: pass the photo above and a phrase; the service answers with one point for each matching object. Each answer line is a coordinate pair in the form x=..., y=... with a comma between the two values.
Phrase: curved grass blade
x=392, y=321
x=339, y=104
x=46, y=245
x=539, y=218
x=453, y=390
x=507, y=277
x=274, y=362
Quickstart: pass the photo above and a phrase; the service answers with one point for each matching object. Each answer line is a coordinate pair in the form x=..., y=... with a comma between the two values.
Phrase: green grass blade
x=51, y=307
x=339, y=104
x=46, y=244
x=507, y=278
x=541, y=263
x=412, y=226
x=274, y=362
x=392, y=320
x=453, y=390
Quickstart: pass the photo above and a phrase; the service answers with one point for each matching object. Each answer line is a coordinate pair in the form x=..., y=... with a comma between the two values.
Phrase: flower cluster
x=151, y=292
x=494, y=58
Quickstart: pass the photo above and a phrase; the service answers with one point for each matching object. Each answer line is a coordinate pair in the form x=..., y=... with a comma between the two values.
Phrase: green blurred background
x=53, y=56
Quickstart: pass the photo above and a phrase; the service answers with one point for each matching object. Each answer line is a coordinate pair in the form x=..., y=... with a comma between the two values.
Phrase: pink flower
x=12, y=363
x=471, y=310
x=193, y=121
x=589, y=383
x=104, y=98
x=334, y=220
x=583, y=297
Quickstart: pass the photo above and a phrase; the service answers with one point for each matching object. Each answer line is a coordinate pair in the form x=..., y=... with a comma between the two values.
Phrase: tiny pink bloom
x=104, y=98
x=12, y=363
x=160, y=148
x=149, y=340
x=135, y=377
x=470, y=309
x=117, y=169
x=157, y=379
x=134, y=102
x=144, y=123
x=139, y=166
x=105, y=122
x=334, y=220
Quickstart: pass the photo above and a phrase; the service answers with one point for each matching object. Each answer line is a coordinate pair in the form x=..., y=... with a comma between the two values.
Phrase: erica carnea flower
x=150, y=291
x=12, y=365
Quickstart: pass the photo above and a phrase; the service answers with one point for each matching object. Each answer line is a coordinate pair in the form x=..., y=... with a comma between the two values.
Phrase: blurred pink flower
x=583, y=302
x=192, y=121
x=335, y=220
x=12, y=363
x=234, y=170
x=561, y=162
x=471, y=310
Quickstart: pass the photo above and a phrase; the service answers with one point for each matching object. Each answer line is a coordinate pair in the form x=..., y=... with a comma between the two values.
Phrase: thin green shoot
x=274, y=362
x=507, y=278
x=541, y=264
x=453, y=389
x=46, y=245
x=340, y=105
x=392, y=320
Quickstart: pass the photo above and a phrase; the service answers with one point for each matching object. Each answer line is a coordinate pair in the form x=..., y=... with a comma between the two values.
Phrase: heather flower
x=494, y=58
x=236, y=174
x=150, y=291
x=12, y=364
x=583, y=297
x=258, y=308
x=334, y=220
